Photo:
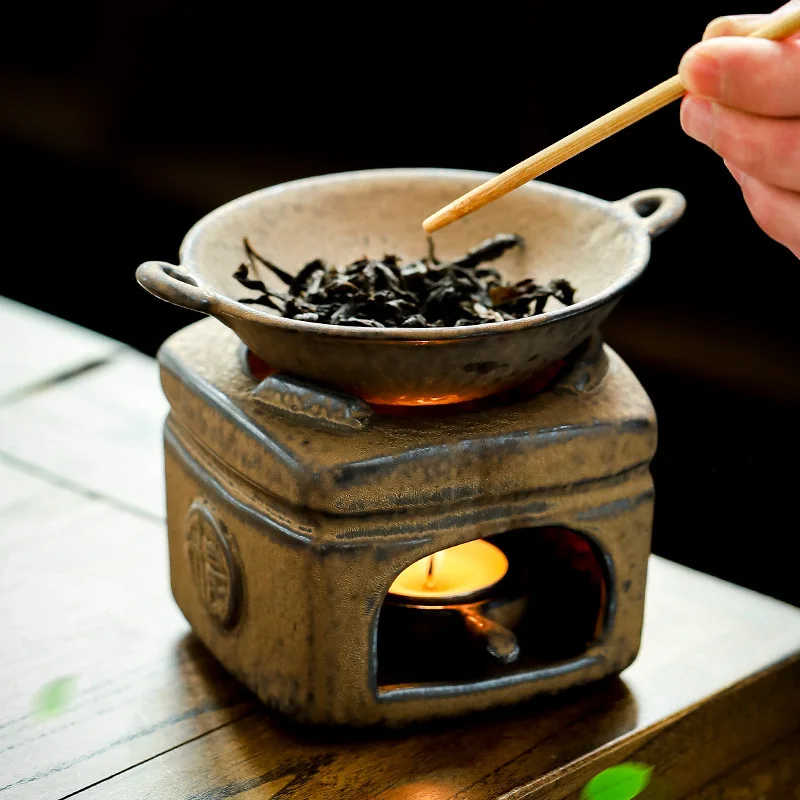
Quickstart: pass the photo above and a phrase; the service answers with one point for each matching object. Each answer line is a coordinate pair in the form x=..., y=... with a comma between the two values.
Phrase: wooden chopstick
x=659, y=96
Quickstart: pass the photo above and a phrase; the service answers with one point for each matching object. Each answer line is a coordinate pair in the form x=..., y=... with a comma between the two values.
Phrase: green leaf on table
x=623, y=782
x=54, y=697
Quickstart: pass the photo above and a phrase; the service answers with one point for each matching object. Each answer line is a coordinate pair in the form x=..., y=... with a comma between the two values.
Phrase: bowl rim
x=229, y=307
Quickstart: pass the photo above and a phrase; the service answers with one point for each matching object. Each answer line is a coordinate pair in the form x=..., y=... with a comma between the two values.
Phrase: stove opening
x=554, y=600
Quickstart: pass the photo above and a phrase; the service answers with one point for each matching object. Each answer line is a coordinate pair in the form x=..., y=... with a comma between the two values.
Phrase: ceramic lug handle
x=172, y=284
x=500, y=642
x=656, y=210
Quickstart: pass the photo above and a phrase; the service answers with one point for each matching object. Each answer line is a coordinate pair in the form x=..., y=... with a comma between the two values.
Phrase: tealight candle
x=453, y=574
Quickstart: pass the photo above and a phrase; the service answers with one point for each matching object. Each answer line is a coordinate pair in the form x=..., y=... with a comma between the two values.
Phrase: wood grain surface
x=38, y=349
x=772, y=774
x=98, y=430
x=85, y=593
x=712, y=703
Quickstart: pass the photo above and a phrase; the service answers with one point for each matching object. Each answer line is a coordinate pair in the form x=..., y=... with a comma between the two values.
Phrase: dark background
x=121, y=123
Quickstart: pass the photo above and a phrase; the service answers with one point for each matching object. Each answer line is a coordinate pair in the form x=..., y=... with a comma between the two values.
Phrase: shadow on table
x=502, y=748
x=211, y=686
x=609, y=700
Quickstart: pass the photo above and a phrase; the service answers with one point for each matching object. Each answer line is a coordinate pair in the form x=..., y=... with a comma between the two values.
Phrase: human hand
x=743, y=101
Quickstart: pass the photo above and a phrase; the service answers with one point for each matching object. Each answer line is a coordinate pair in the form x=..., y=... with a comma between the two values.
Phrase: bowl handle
x=655, y=210
x=172, y=284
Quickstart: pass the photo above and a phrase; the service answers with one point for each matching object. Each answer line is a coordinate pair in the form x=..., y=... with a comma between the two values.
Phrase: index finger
x=736, y=25
x=743, y=24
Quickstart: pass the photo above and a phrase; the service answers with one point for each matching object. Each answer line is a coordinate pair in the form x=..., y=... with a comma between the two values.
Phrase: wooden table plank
x=84, y=592
x=38, y=348
x=691, y=749
x=702, y=636
x=772, y=774
x=100, y=431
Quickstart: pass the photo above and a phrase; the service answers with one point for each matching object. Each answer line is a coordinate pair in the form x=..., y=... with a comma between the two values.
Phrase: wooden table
x=712, y=703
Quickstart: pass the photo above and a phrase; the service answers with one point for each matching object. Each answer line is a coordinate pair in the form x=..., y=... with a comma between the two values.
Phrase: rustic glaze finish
x=601, y=247
x=323, y=520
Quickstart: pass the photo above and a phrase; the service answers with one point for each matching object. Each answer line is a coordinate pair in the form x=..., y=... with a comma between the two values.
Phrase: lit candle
x=453, y=574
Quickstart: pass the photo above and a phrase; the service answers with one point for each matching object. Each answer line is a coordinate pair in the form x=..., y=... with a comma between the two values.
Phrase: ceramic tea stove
x=293, y=512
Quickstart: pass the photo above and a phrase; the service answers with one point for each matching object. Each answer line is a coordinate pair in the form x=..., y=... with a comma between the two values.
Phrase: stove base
x=284, y=538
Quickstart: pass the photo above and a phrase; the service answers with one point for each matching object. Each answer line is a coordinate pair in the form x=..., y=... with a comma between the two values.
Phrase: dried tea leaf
x=253, y=256
x=490, y=250
x=362, y=323
x=563, y=290
x=415, y=321
x=248, y=283
x=432, y=252
x=622, y=782
x=301, y=281
x=503, y=294
x=379, y=293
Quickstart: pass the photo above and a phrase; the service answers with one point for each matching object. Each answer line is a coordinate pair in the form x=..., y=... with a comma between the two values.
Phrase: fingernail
x=696, y=118
x=700, y=72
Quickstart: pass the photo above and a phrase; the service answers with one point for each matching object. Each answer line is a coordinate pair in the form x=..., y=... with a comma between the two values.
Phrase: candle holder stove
x=296, y=505
x=292, y=508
